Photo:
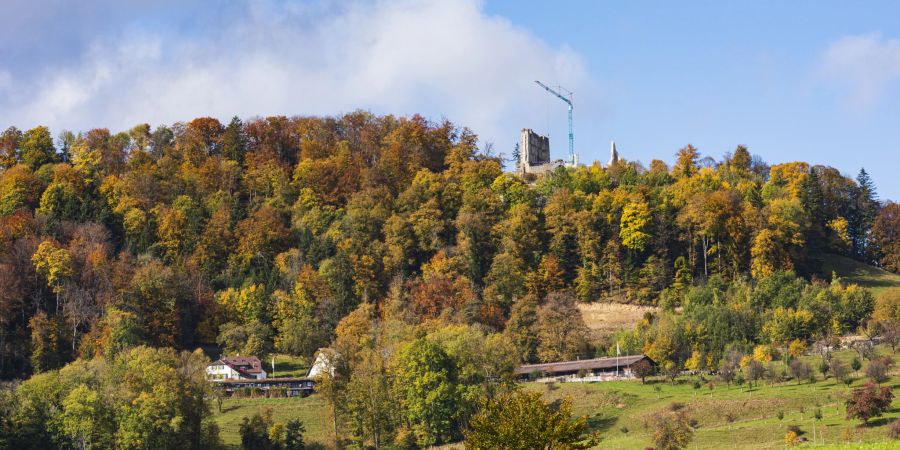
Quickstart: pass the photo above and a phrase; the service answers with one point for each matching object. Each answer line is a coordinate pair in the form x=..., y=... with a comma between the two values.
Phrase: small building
x=236, y=368
x=597, y=369
x=323, y=362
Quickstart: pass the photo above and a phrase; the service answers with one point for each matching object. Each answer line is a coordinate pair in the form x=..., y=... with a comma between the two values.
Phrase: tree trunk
x=705, y=241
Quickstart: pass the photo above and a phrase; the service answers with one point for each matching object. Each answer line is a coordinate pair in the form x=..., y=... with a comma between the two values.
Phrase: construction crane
x=569, y=103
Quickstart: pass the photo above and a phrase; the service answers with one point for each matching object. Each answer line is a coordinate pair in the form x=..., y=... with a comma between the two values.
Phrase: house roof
x=243, y=364
x=584, y=364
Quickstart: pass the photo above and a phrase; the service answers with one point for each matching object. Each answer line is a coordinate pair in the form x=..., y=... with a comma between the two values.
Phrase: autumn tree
x=560, y=329
x=521, y=420
x=36, y=147
x=671, y=429
x=48, y=345
x=643, y=369
x=55, y=264
x=885, y=236
x=869, y=401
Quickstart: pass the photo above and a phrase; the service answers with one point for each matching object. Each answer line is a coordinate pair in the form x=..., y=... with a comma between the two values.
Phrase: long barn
x=597, y=369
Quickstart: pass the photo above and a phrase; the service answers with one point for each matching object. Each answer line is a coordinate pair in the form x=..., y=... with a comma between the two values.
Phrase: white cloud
x=866, y=65
x=441, y=58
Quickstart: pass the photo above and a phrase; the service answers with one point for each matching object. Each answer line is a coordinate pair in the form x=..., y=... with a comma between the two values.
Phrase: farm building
x=268, y=387
x=236, y=368
x=597, y=369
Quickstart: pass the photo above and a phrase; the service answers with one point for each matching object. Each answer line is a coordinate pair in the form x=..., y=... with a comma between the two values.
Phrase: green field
x=852, y=271
x=311, y=410
x=287, y=366
x=726, y=416
x=618, y=411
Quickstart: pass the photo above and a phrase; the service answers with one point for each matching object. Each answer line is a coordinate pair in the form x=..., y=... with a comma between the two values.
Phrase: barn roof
x=584, y=364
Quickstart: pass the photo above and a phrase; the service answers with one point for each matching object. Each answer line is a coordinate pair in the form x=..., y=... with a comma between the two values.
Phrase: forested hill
x=267, y=233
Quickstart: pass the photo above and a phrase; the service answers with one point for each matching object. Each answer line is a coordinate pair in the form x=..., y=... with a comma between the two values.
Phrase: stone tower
x=534, y=150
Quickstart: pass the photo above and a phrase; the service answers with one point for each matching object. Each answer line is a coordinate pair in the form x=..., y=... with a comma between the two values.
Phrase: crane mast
x=569, y=103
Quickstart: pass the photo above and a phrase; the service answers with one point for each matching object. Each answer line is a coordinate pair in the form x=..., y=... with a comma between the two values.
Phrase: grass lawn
x=727, y=416
x=287, y=365
x=852, y=271
x=311, y=410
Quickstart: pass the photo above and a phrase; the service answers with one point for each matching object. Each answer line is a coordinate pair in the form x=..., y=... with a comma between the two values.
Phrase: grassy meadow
x=726, y=416
x=880, y=282
x=732, y=417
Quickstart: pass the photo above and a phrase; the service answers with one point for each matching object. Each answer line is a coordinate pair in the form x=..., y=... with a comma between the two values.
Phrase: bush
x=671, y=430
x=879, y=369
x=869, y=401
x=894, y=429
x=643, y=369
x=837, y=369
x=261, y=432
x=730, y=417
x=824, y=368
x=799, y=370
x=791, y=438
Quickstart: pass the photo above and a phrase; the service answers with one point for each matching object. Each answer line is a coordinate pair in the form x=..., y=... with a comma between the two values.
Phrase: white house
x=236, y=368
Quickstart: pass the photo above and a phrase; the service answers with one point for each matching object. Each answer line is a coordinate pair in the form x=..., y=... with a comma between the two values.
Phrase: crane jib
x=570, y=107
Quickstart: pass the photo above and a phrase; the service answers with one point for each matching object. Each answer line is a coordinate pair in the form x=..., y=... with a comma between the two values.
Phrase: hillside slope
x=852, y=271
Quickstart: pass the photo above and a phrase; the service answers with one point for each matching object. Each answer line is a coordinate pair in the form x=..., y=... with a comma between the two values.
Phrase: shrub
x=848, y=434
x=643, y=369
x=755, y=371
x=791, y=438
x=799, y=370
x=824, y=368
x=780, y=415
x=671, y=430
x=894, y=429
x=837, y=369
x=730, y=417
x=869, y=401
x=878, y=370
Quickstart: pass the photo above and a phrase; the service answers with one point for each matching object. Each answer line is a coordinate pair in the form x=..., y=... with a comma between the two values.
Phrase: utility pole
x=569, y=103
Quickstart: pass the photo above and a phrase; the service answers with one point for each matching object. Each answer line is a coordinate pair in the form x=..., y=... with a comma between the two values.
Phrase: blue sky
x=814, y=81
x=718, y=74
